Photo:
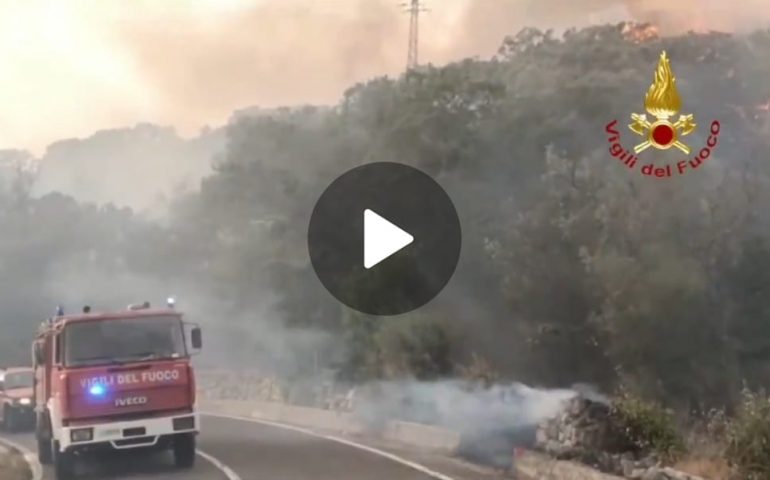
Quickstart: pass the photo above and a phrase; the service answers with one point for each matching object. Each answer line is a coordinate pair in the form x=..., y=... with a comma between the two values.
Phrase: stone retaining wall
x=542, y=467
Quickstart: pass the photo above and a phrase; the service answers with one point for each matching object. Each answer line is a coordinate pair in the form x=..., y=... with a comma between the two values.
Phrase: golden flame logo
x=662, y=101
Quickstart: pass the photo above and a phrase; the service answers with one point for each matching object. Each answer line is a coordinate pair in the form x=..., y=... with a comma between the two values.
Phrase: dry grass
x=711, y=468
x=706, y=441
x=13, y=467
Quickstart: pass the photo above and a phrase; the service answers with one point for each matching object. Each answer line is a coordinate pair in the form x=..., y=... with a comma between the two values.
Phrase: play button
x=384, y=238
x=381, y=239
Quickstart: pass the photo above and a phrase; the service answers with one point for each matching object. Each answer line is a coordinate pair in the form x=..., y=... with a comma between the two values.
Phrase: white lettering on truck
x=153, y=376
x=128, y=401
x=160, y=376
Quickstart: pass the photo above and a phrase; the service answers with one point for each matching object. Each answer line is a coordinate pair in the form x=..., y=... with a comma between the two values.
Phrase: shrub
x=479, y=370
x=748, y=435
x=648, y=426
x=414, y=345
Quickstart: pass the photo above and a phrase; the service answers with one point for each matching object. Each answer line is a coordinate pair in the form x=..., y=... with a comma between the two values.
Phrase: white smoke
x=460, y=406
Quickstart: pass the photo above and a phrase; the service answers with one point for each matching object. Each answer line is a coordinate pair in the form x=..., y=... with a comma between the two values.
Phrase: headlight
x=81, y=434
x=25, y=401
x=183, y=423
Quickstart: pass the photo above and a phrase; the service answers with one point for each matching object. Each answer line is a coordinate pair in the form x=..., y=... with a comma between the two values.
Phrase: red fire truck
x=118, y=380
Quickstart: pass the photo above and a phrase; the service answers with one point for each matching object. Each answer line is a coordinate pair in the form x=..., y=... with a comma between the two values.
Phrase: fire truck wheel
x=44, y=451
x=184, y=450
x=43, y=437
x=63, y=463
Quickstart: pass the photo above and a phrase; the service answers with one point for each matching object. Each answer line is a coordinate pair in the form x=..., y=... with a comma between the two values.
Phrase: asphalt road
x=232, y=449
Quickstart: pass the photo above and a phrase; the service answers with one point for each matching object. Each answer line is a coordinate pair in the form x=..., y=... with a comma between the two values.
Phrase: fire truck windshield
x=18, y=380
x=123, y=340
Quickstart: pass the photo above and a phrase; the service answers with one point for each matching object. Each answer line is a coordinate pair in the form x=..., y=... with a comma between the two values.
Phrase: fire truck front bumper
x=122, y=435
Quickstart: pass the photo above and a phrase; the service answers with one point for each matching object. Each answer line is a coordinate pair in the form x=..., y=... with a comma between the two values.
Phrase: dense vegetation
x=574, y=269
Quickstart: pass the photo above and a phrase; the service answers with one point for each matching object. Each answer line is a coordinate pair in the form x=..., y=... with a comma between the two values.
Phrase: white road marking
x=29, y=457
x=37, y=469
x=229, y=473
x=344, y=441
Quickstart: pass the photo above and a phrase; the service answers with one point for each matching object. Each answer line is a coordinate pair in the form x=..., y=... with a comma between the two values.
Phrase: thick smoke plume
x=270, y=54
x=190, y=64
x=253, y=339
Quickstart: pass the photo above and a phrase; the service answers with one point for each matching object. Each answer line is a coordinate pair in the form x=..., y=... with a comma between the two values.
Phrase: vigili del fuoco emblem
x=662, y=102
x=663, y=130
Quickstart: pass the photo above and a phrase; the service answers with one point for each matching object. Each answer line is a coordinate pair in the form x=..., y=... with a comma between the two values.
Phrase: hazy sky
x=72, y=67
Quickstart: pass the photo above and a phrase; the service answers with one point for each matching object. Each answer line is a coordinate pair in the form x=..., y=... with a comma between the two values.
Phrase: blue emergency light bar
x=97, y=390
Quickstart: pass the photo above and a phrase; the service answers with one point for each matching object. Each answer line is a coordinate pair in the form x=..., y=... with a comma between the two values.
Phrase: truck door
x=42, y=364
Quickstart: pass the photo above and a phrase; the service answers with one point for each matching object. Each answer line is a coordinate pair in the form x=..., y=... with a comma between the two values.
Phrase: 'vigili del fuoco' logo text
x=663, y=103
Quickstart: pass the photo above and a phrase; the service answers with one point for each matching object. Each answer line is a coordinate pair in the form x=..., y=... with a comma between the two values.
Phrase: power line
x=414, y=7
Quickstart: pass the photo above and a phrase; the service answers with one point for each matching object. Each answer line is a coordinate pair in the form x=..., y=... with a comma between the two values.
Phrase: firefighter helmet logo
x=662, y=102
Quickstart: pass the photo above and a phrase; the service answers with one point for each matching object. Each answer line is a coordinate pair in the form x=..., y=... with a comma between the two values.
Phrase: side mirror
x=39, y=356
x=196, y=337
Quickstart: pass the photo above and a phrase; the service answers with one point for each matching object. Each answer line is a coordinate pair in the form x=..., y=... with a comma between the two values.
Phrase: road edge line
x=344, y=441
x=29, y=457
x=229, y=472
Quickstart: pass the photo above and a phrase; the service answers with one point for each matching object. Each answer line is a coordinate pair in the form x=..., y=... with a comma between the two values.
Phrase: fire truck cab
x=117, y=380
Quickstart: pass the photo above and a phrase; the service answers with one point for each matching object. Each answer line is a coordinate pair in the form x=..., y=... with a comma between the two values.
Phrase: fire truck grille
x=134, y=432
x=134, y=416
x=129, y=416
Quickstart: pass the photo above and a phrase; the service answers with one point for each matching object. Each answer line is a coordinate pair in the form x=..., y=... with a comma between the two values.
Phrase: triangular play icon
x=381, y=239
